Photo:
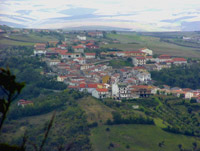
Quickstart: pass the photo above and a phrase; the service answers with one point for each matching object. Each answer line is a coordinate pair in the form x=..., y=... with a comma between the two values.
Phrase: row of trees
x=118, y=119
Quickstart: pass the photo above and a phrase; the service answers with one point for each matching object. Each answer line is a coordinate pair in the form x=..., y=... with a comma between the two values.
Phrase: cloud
x=177, y=19
x=135, y=14
x=78, y=11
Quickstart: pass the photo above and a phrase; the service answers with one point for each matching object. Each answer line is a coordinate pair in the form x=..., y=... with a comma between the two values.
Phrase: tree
x=193, y=100
x=10, y=89
x=180, y=147
x=194, y=146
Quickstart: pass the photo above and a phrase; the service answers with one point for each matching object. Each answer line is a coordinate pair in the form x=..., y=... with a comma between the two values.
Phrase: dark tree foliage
x=9, y=90
x=181, y=76
x=118, y=119
x=28, y=70
x=69, y=130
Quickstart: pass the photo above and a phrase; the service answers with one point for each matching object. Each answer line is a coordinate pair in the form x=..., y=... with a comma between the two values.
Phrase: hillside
x=96, y=111
x=137, y=138
x=134, y=41
x=24, y=39
x=75, y=119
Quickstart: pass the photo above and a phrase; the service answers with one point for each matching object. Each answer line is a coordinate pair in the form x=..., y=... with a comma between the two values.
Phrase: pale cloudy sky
x=137, y=15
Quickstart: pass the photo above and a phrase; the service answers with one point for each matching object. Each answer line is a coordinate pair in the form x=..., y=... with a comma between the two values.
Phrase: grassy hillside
x=95, y=110
x=73, y=117
x=69, y=126
x=24, y=39
x=134, y=42
x=137, y=138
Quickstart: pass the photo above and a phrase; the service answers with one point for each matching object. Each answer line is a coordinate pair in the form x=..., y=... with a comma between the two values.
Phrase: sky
x=136, y=15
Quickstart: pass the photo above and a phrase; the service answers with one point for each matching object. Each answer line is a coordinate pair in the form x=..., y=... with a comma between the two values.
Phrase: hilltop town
x=78, y=63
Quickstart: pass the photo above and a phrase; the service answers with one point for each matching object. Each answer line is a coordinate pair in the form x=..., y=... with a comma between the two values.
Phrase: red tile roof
x=90, y=54
x=139, y=67
x=140, y=58
x=89, y=44
x=77, y=47
x=133, y=52
x=164, y=57
x=82, y=85
x=179, y=59
x=102, y=90
x=92, y=85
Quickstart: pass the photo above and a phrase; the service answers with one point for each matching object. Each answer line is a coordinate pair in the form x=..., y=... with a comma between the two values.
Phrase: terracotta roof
x=82, y=85
x=139, y=67
x=140, y=58
x=77, y=47
x=133, y=52
x=89, y=44
x=92, y=85
x=63, y=45
x=149, y=57
x=90, y=54
x=62, y=64
x=22, y=101
x=69, y=53
x=80, y=58
x=164, y=56
x=179, y=59
x=102, y=90
x=140, y=86
x=63, y=76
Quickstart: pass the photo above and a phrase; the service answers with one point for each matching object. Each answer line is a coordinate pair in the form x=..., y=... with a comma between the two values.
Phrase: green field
x=135, y=42
x=8, y=42
x=24, y=40
x=33, y=38
x=138, y=138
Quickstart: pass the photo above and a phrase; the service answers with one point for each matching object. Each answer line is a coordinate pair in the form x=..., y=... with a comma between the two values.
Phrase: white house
x=139, y=61
x=61, y=78
x=53, y=62
x=63, y=46
x=70, y=55
x=188, y=95
x=164, y=58
x=39, y=52
x=179, y=61
x=78, y=48
x=100, y=93
x=147, y=51
x=90, y=55
x=144, y=77
x=115, y=90
x=81, y=37
x=80, y=60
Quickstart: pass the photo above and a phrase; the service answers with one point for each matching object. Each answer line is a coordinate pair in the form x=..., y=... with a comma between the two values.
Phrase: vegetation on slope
x=138, y=138
x=184, y=77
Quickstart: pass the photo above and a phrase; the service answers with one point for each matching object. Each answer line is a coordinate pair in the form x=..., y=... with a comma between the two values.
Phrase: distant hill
x=105, y=28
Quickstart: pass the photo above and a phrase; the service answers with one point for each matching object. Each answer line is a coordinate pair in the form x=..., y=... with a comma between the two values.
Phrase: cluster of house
x=80, y=70
x=55, y=49
x=186, y=93
x=144, y=57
